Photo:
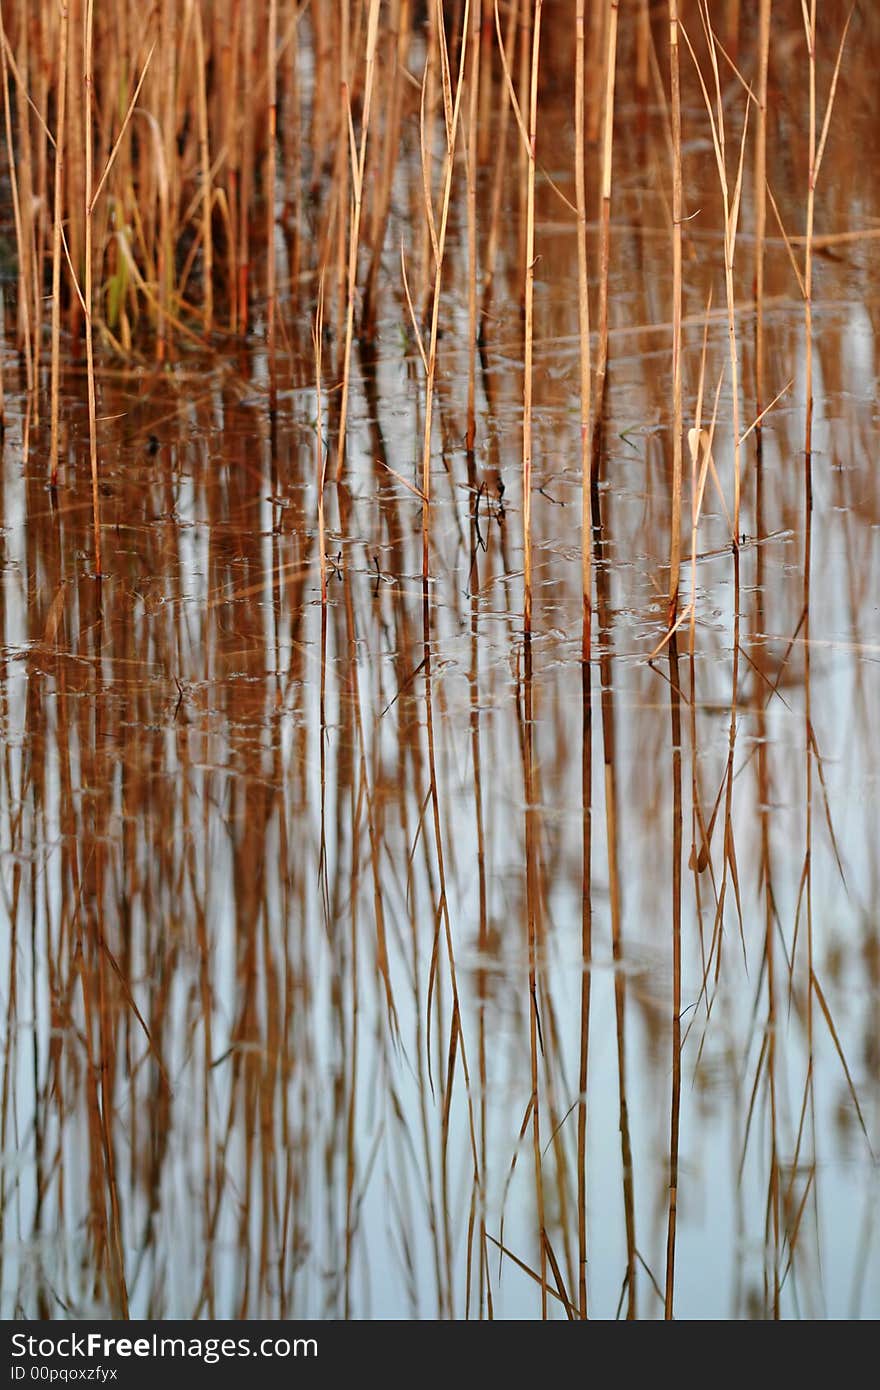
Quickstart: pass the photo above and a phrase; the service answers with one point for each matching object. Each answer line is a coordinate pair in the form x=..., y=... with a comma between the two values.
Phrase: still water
x=270, y=871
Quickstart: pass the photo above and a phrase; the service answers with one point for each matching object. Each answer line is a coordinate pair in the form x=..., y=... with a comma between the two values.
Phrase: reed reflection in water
x=302, y=899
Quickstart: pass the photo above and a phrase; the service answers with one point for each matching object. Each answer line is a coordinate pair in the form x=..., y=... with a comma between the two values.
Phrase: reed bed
x=363, y=348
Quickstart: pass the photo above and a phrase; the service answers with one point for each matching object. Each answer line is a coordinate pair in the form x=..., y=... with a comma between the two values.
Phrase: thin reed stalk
x=472, y=152
x=529, y=329
x=677, y=216
x=57, y=219
x=88, y=85
x=674, y=676
x=358, y=163
x=586, y=646
x=271, y=176
x=610, y=74
x=320, y=456
x=452, y=99
x=22, y=245
x=206, y=175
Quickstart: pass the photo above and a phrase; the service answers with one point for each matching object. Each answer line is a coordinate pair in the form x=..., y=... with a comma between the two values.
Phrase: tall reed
x=88, y=295
x=586, y=642
x=57, y=218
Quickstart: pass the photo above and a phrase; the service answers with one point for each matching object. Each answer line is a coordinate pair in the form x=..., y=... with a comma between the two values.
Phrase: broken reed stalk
x=88, y=85
x=586, y=644
x=358, y=161
x=610, y=69
x=57, y=218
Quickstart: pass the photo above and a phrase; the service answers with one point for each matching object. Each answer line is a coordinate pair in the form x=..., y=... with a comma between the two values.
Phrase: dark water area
x=287, y=887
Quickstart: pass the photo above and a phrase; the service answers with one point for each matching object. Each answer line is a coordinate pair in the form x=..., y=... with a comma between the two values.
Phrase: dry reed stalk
x=816, y=148
x=410, y=771
x=205, y=166
x=341, y=191
x=677, y=215
x=73, y=233
x=291, y=156
x=805, y=895
x=523, y=84
x=816, y=154
x=760, y=196
x=506, y=46
x=586, y=648
x=609, y=76
x=674, y=686
x=765, y=869
x=165, y=152
x=615, y=887
x=227, y=24
x=485, y=1284
x=531, y=829
x=30, y=281
x=57, y=218
x=675, y=1105
x=484, y=117
x=358, y=163
x=43, y=65
x=248, y=159
x=320, y=459
x=24, y=289
x=529, y=327
x=428, y=121
x=271, y=159
x=471, y=154
x=773, y=1217
x=401, y=24
x=88, y=86
x=731, y=210
x=367, y=797
x=452, y=99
